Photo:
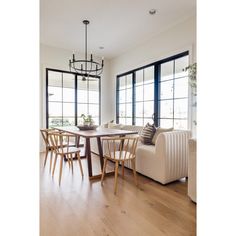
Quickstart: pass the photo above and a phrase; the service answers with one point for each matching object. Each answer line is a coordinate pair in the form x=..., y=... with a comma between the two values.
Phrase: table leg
x=88, y=155
x=100, y=152
x=77, y=140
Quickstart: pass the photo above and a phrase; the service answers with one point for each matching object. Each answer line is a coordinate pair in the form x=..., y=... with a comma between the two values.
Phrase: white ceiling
x=117, y=25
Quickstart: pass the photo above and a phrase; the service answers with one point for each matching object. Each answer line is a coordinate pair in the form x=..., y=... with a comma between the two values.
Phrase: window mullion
x=62, y=98
x=133, y=98
x=76, y=111
x=173, y=92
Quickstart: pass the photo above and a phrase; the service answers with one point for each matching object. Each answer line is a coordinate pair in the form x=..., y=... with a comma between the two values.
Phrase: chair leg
x=60, y=173
x=104, y=170
x=123, y=169
x=134, y=171
x=116, y=176
x=51, y=157
x=68, y=160
x=45, y=158
x=80, y=164
x=54, y=165
x=71, y=160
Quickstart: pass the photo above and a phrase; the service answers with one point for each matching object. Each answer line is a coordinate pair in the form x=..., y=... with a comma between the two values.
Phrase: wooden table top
x=99, y=132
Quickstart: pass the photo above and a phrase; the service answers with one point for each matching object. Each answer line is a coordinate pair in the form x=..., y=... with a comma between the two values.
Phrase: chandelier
x=86, y=67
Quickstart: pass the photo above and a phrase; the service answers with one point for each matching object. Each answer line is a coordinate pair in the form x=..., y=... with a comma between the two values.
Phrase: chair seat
x=120, y=157
x=68, y=150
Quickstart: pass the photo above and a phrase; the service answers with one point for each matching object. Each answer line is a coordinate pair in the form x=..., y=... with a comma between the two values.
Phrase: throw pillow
x=115, y=126
x=158, y=131
x=147, y=134
x=104, y=125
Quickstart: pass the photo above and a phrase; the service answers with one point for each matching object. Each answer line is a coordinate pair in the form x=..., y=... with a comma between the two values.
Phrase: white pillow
x=114, y=126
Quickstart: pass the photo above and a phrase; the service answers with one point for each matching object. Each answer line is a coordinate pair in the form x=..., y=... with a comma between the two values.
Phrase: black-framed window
x=125, y=90
x=159, y=95
x=144, y=95
x=173, y=100
x=67, y=97
x=88, y=98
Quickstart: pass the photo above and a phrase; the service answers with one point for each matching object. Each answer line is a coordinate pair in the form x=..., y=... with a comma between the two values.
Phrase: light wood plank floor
x=83, y=207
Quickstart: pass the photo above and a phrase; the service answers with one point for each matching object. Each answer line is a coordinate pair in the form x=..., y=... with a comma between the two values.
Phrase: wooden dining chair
x=62, y=148
x=119, y=151
x=49, y=146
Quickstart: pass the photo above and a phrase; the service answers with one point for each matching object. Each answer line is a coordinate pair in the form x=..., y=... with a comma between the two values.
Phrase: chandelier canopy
x=86, y=67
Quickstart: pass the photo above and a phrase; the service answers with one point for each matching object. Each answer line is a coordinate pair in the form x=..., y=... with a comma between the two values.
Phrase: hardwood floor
x=83, y=207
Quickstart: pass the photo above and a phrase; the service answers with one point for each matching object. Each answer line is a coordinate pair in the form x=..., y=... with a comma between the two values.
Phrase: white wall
x=175, y=40
x=56, y=58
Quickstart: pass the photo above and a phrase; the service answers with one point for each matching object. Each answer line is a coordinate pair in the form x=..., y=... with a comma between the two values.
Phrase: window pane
x=96, y=121
x=166, y=123
x=129, y=81
x=180, y=124
x=150, y=121
x=68, y=80
x=148, y=109
x=55, y=109
x=128, y=121
x=181, y=108
x=129, y=110
x=129, y=95
x=167, y=70
x=82, y=96
x=54, y=79
x=67, y=121
x=93, y=110
x=139, y=77
x=55, y=121
x=68, y=109
x=139, y=109
x=122, y=110
x=94, y=91
x=139, y=93
x=55, y=94
x=122, y=82
x=166, y=109
x=82, y=85
x=181, y=87
x=80, y=121
x=149, y=74
x=93, y=97
x=82, y=109
x=122, y=94
x=68, y=95
x=180, y=65
x=122, y=121
x=93, y=85
x=139, y=121
x=148, y=92
x=166, y=89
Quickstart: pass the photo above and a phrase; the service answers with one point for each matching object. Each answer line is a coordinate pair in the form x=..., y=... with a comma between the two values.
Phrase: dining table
x=97, y=133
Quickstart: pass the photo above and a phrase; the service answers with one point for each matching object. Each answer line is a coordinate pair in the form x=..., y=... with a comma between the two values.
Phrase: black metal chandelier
x=86, y=67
